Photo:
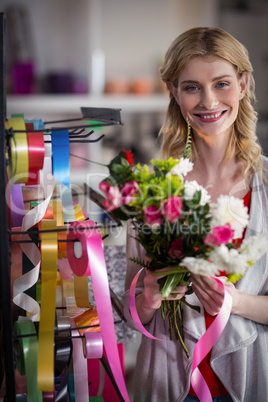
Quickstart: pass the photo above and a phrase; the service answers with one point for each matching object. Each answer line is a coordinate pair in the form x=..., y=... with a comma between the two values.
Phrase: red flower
x=129, y=156
x=176, y=249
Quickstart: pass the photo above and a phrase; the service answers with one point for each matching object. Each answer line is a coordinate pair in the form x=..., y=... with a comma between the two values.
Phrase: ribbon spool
x=63, y=325
x=62, y=248
x=19, y=151
x=79, y=215
x=63, y=354
x=36, y=154
x=93, y=345
x=88, y=318
x=62, y=235
x=61, y=156
x=25, y=348
x=49, y=254
x=81, y=291
x=80, y=265
x=17, y=205
x=57, y=211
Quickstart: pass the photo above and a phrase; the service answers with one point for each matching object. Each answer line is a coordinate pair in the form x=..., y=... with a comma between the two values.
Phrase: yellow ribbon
x=79, y=216
x=19, y=151
x=81, y=291
x=57, y=211
x=49, y=254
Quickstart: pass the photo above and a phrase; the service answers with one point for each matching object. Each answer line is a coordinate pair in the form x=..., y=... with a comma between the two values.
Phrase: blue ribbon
x=61, y=156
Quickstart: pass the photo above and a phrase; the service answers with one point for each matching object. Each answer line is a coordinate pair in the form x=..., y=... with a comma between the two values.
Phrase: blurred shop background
x=65, y=54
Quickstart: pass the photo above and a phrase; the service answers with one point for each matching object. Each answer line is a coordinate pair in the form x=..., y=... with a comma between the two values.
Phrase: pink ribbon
x=79, y=368
x=133, y=310
x=92, y=262
x=93, y=345
x=206, y=343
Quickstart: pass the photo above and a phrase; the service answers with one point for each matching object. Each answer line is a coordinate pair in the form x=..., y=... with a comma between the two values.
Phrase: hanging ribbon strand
x=92, y=262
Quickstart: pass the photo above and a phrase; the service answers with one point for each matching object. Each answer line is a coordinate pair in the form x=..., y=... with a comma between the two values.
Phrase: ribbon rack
x=49, y=333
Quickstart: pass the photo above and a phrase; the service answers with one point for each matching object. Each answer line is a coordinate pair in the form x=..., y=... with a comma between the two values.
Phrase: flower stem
x=178, y=332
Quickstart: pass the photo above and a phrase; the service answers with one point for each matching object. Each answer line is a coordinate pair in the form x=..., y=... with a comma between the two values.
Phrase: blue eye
x=222, y=84
x=191, y=88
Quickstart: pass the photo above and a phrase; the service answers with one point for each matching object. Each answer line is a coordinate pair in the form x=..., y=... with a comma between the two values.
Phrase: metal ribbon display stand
x=5, y=295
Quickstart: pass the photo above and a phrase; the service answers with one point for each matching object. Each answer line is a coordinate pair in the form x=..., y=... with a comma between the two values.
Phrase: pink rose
x=130, y=189
x=104, y=186
x=153, y=216
x=175, y=250
x=172, y=208
x=220, y=235
x=112, y=194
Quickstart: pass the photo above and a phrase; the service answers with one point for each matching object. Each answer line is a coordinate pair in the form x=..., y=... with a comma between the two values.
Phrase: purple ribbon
x=17, y=205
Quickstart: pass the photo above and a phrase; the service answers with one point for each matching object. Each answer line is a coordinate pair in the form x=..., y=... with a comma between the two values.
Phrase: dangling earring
x=187, y=149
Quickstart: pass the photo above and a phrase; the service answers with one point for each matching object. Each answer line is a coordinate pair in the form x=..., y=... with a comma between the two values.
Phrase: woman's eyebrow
x=220, y=77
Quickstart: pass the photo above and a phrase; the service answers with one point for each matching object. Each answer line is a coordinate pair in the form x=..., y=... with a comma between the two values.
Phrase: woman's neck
x=213, y=172
x=211, y=152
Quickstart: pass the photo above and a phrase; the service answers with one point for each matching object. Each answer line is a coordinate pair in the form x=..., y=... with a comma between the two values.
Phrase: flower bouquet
x=178, y=226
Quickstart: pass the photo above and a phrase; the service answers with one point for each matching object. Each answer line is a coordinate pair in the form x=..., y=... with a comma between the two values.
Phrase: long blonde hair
x=200, y=42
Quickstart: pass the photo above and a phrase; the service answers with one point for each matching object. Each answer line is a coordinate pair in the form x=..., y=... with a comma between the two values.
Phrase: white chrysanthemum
x=230, y=260
x=199, y=266
x=190, y=187
x=229, y=209
x=254, y=247
x=183, y=167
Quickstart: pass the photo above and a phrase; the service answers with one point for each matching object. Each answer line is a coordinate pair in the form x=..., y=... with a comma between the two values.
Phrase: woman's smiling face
x=208, y=94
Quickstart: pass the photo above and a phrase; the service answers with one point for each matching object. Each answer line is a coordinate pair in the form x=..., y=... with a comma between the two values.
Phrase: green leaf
x=158, y=172
x=171, y=283
x=124, y=163
x=117, y=168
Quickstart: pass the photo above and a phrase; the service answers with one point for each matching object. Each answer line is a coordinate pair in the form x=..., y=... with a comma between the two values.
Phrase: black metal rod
x=65, y=330
x=73, y=134
x=59, y=241
x=47, y=131
x=80, y=141
x=36, y=231
x=62, y=121
x=5, y=297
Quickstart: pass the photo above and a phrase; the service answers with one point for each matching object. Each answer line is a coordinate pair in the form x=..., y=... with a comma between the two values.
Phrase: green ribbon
x=26, y=348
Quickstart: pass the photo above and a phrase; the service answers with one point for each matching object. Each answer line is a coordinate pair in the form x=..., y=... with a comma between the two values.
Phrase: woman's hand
x=211, y=294
x=152, y=292
x=151, y=298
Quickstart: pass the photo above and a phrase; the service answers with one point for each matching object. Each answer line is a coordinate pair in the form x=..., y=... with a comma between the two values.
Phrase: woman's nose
x=208, y=99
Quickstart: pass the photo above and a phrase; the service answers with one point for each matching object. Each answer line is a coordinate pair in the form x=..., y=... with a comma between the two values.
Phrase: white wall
x=134, y=34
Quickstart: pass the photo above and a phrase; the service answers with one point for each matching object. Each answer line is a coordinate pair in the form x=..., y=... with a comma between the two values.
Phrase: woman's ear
x=243, y=85
x=173, y=90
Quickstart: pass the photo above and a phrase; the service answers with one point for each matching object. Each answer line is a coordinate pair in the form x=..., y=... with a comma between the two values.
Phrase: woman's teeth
x=210, y=116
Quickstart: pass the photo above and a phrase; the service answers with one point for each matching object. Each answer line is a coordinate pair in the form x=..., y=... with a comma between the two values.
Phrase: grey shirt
x=239, y=357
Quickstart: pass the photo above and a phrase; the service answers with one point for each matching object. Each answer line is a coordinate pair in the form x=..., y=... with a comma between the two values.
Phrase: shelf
x=31, y=105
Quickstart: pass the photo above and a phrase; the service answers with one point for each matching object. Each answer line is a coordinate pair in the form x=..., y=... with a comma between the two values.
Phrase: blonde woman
x=209, y=77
